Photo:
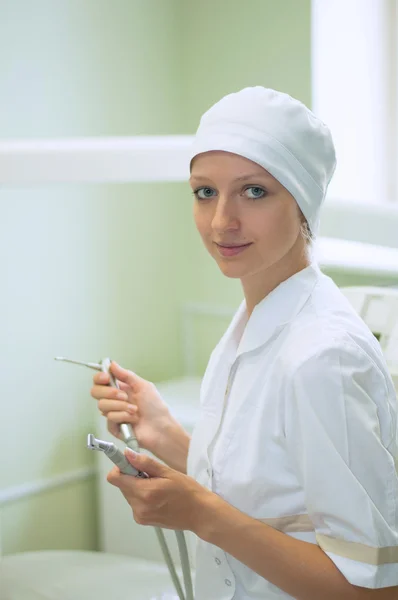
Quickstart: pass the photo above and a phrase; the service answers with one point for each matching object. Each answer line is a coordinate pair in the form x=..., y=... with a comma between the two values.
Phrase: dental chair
x=73, y=575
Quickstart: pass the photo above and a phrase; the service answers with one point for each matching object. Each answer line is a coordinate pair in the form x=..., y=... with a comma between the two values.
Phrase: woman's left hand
x=167, y=499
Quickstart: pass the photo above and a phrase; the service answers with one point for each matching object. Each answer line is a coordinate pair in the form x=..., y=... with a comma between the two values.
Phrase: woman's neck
x=257, y=286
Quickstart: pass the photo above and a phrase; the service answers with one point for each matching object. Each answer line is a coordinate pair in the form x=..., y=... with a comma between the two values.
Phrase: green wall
x=87, y=271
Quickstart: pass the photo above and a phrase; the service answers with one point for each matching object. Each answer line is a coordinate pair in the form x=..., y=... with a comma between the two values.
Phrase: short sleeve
x=338, y=431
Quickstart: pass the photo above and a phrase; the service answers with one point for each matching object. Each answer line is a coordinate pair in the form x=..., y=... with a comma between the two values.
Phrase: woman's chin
x=230, y=270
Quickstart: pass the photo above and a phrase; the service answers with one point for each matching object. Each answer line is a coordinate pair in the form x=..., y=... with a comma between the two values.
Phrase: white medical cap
x=279, y=133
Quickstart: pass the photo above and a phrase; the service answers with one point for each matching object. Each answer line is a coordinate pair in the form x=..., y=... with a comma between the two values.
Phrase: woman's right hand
x=142, y=406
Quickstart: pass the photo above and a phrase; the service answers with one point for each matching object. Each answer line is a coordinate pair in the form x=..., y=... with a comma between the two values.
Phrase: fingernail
x=122, y=396
x=131, y=452
x=131, y=408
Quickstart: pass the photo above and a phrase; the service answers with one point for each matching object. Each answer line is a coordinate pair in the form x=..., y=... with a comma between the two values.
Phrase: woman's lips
x=231, y=251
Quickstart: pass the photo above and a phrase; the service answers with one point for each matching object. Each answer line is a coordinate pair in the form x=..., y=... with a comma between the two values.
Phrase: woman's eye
x=205, y=189
x=258, y=189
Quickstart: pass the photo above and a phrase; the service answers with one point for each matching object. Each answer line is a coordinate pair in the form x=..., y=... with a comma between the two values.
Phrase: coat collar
x=270, y=315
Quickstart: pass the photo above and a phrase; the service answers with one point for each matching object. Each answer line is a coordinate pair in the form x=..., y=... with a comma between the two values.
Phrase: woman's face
x=256, y=210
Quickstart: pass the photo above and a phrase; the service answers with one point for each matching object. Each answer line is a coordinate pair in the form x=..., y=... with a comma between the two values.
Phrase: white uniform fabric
x=298, y=428
x=279, y=133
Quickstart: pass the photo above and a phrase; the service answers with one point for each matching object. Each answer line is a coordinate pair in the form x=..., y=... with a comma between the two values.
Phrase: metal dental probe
x=125, y=429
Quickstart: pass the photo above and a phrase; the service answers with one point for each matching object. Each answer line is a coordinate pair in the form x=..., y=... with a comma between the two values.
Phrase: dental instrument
x=115, y=454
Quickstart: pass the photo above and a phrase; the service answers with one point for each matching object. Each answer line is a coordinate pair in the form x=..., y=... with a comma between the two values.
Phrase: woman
x=290, y=479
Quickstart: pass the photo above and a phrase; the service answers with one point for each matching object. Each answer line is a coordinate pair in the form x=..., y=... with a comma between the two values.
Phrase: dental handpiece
x=115, y=455
x=104, y=365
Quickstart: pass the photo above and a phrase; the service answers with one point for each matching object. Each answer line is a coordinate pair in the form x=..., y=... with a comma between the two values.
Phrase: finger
x=111, y=393
x=105, y=406
x=134, y=486
x=104, y=379
x=130, y=487
x=143, y=462
x=114, y=475
x=101, y=378
x=124, y=386
x=124, y=375
x=114, y=429
x=122, y=417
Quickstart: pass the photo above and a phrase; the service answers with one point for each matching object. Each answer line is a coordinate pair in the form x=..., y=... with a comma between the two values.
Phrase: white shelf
x=356, y=257
x=95, y=160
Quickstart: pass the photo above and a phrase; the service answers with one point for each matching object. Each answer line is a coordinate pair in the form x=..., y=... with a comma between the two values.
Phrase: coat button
x=227, y=581
x=218, y=561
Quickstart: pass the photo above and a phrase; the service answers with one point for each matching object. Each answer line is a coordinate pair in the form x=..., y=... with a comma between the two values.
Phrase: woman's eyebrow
x=241, y=178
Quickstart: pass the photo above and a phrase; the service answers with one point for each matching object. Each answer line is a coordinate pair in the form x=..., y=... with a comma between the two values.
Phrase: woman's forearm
x=172, y=446
x=299, y=568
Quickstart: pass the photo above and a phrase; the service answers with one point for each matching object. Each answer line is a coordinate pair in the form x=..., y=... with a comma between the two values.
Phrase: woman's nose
x=225, y=216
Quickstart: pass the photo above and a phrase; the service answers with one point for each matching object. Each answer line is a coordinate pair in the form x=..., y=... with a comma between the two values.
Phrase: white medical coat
x=298, y=429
